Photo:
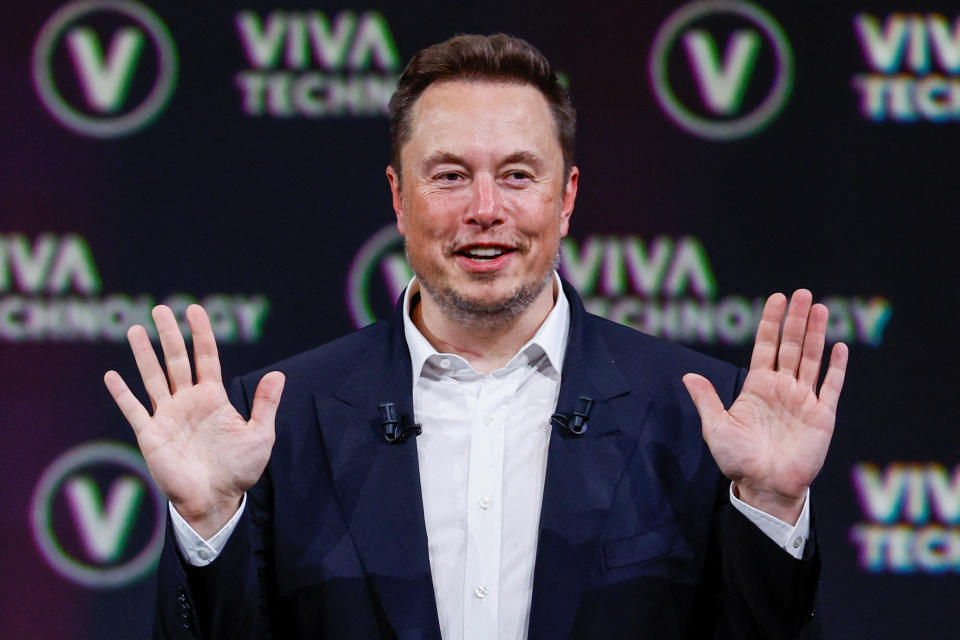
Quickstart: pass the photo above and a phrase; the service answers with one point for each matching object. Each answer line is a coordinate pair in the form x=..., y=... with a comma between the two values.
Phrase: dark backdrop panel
x=254, y=182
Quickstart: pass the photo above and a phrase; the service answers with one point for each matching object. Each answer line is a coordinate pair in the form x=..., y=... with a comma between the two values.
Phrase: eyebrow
x=442, y=157
x=524, y=157
x=447, y=157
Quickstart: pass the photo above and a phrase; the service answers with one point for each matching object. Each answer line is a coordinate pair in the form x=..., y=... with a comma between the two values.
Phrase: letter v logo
x=740, y=91
x=104, y=531
x=722, y=86
x=122, y=89
x=97, y=517
x=105, y=83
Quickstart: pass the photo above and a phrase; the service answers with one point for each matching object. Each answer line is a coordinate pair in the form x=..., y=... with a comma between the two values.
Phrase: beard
x=485, y=314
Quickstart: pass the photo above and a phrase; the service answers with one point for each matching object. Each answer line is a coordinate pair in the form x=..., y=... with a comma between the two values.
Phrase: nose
x=486, y=206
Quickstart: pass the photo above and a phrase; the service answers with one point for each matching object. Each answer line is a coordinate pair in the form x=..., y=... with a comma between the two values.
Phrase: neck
x=487, y=348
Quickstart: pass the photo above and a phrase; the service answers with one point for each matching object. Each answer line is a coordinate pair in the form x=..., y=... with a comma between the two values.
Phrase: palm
x=198, y=441
x=775, y=436
x=199, y=449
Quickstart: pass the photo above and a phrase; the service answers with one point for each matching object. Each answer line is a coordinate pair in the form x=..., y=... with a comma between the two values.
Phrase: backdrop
x=234, y=154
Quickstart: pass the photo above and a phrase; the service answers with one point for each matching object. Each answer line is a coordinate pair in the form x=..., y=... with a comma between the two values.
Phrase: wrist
x=208, y=520
x=783, y=507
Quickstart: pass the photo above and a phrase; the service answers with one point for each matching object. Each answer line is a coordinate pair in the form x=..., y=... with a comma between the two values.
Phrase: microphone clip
x=577, y=423
x=395, y=428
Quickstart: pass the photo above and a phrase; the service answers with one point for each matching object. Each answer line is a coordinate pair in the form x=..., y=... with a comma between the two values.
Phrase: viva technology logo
x=102, y=92
x=94, y=541
x=50, y=290
x=914, y=63
x=714, y=95
x=664, y=287
x=912, y=518
x=308, y=64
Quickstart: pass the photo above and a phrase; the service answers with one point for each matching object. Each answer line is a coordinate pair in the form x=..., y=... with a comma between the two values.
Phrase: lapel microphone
x=577, y=423
x=395, y=429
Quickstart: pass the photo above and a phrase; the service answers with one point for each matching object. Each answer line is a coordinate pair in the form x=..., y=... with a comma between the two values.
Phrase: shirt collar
x=551, y=337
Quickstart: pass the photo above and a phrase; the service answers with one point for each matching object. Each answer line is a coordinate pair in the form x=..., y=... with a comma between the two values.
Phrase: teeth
x=485, y=252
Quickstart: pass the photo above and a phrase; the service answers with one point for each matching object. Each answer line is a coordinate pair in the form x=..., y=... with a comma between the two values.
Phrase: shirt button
x=797, y=542
x=480, y=592
x=485, y=502
x=203, y=554
x=445, y=363
x=488, y=421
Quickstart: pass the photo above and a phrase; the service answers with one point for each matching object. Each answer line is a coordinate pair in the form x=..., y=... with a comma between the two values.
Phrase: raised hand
x=202, y=453
x=773, y=440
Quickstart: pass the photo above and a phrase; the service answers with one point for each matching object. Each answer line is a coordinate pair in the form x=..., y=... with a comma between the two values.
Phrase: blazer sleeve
x=231, y=598
x=760, y=591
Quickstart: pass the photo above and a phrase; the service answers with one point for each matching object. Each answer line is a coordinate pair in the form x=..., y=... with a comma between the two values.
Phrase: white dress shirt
x=482, y=458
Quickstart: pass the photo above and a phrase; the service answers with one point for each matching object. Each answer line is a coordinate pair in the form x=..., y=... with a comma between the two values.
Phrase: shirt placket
x=481, y=601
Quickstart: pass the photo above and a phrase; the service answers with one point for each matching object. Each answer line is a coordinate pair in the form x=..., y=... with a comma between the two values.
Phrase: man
x=560, y=486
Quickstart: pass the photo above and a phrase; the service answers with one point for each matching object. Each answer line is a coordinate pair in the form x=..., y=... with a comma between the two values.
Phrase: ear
x=394, y=179
x=568, y=199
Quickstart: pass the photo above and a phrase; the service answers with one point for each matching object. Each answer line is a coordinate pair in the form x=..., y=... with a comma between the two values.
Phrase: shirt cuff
x=197, y=551
x=792, y=539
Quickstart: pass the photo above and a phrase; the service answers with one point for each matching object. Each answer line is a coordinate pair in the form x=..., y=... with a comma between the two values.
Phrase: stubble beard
x=485, y=316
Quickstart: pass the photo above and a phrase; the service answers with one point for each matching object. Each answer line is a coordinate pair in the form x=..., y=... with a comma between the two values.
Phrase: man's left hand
x=773, y=440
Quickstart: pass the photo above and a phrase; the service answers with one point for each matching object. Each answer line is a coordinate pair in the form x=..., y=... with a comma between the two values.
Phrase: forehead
x=481, y=116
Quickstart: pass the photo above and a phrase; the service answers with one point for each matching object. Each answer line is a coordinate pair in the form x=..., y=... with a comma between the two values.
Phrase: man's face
x=483, y=202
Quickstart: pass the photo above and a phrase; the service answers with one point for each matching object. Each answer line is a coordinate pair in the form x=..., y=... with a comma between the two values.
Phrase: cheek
x=537, y=217
x=436, y=211
x=425, y=236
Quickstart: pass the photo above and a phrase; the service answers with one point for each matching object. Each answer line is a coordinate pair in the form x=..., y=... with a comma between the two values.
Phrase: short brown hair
x=499, y=58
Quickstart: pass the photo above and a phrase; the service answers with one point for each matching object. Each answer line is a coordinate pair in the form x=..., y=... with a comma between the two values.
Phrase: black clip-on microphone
x=577, y=425
x=393, y=431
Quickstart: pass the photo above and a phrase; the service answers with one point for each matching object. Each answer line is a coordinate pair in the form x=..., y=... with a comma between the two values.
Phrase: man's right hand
x=202, y=453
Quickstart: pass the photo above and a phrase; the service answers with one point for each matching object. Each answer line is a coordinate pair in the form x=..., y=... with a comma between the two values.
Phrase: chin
x=485, y=306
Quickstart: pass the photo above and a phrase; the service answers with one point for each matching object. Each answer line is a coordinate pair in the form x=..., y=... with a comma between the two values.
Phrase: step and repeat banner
x=233, y=154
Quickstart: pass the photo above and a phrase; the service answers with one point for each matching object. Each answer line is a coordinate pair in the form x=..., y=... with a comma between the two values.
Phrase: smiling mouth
x=483, y=254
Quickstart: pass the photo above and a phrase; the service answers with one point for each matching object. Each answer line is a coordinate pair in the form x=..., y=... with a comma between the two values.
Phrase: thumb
x=266, y=399
x=704, y=397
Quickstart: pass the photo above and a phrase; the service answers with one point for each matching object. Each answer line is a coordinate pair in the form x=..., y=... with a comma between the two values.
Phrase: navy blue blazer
x=637, y=536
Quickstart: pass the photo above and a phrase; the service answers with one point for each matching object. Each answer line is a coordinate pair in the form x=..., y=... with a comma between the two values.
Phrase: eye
x=449, y=176
x=518, y=178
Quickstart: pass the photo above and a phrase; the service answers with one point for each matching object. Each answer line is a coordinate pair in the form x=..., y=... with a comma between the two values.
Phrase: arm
x=751, y=588
x=204, y=456
x=771, y=443
x=232, y=596
x=759, y=591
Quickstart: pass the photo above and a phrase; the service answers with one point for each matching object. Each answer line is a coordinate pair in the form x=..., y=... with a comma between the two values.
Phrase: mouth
x=484, y=260
x=484, y=253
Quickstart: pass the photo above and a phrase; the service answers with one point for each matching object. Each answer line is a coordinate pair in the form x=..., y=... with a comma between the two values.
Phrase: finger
x=205, y=358
x=132, y=410
x=768, y=333
x=266, y=400
x=174, y=348
x=813, y=346
x=154, y=380
x=794, y=327
x=836, y=371
x=705, y=399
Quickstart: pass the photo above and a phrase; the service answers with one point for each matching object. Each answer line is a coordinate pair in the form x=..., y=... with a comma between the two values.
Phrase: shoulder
x=639, y=355
x=324, y=366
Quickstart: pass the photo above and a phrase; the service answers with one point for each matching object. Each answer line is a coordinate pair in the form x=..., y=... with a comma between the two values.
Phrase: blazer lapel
x=378, y=483
x=582, y=474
